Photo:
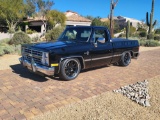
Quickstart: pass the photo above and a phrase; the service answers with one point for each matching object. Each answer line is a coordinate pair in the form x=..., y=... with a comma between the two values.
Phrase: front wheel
x=125, y=59
x=69, y=69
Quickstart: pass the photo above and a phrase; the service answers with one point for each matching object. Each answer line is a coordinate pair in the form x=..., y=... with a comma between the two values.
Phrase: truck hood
x=54, y=45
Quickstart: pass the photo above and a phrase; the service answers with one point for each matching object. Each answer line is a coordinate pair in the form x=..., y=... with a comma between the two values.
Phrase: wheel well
x=131, y=52
x=80, y=60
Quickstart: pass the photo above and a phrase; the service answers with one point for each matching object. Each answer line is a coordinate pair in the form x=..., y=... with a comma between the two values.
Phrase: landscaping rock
x=137, y=92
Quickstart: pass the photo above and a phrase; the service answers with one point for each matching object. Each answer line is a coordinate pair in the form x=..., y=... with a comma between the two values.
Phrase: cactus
x=112, y=6
x=128, y=29
x=150, y=22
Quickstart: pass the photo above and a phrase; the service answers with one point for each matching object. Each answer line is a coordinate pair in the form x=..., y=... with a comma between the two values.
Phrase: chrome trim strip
x=136, y=52
x=102, y=58
x=86, y=60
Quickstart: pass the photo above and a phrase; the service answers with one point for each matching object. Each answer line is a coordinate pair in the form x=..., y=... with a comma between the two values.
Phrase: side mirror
x=101, y=40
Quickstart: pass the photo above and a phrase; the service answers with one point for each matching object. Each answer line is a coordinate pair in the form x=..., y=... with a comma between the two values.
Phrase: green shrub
x=157, y=37
x=1, y=51
x=54, y=33
x=29, y=31
x=143, y=34
x=141, y=29
x=35, y=39
x=149, y=43
x=157, y=31
x=6, y=40
x=132, y=30
x=142, y=42
x=20, y=38
x=150, y=36
x=6, y=49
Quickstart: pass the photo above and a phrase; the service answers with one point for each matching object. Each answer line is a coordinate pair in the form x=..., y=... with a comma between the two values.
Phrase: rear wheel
x=69, y=69
x=125, y=59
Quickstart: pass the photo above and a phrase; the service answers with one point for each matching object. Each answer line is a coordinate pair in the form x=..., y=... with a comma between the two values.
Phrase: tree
x=150, y=22
x=112, y=6
x=12, y=12
x=43, y=6
x=30, y=7
x=55, y=17
x=97, y=22
x=89, y=17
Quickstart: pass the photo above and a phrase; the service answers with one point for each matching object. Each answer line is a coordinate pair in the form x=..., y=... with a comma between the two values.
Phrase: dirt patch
x=110, y=106
x=148, y=48
x=7, y=60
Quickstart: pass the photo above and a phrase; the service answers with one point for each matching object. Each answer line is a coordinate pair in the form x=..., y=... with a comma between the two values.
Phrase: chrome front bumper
x=37, y=68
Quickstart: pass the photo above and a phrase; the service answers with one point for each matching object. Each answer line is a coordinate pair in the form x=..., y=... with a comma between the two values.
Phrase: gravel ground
x=110, y=106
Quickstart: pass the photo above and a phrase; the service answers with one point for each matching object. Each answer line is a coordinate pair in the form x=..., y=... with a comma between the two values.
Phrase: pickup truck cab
x=78, y=48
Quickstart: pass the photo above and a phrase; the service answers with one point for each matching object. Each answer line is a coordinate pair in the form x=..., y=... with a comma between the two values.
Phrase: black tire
x=69, y=69
x=125, y=59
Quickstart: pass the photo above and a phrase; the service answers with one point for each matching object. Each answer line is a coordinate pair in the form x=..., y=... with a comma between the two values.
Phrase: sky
x=128, y=8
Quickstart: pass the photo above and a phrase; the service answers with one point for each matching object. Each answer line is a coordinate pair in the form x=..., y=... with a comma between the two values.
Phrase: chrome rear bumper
x=37, y=68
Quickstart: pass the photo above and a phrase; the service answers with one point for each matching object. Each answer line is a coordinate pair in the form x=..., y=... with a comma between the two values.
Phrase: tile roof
x=77, y=18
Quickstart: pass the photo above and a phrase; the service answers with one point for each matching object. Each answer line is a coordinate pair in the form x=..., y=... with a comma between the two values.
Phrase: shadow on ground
x=23, y=72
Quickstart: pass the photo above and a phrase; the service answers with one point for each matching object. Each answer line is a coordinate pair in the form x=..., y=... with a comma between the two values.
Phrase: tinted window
x=79, y=34
x=100, y=34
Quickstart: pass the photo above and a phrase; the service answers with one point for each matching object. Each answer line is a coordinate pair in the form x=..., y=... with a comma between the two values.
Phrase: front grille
x=35, y=54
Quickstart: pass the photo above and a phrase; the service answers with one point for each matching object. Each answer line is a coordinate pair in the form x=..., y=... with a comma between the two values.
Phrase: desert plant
x=35, y=39
x=157, y=31
x=132, y=30
x=8, y=49
x=150, y=23
x=142, y=34
x=149, y=43
x=53, y=34
x=1, y=51
x=6, y=40
x=20, y=38
x=157, y=37
x=128, y=29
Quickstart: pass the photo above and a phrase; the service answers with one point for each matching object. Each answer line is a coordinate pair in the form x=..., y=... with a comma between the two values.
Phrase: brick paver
x=24, y=95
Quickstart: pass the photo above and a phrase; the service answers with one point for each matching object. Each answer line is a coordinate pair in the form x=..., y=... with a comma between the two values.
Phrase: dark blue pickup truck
x=78, y=48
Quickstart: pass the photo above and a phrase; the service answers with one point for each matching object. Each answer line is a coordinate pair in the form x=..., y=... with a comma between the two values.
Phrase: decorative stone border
x=137, y=92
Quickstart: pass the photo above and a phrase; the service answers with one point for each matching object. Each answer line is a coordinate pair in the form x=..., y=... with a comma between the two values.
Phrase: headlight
x=45, y=58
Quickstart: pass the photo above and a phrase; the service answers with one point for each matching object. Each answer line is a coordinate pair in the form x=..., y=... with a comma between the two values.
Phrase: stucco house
x=122, y=21
x=73, y=19
x=36, y=23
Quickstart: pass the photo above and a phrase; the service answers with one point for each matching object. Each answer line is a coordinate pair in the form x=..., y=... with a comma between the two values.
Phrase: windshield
x=77, y=34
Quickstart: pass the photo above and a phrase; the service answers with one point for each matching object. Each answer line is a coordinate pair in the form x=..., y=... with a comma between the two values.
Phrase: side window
x=100, y=34
x=71, y=34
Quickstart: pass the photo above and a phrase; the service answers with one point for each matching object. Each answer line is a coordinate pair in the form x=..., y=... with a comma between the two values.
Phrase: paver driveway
x=24, y=95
